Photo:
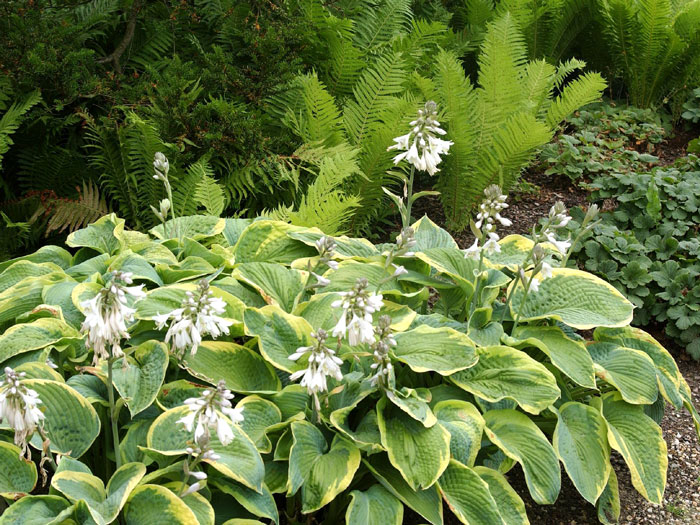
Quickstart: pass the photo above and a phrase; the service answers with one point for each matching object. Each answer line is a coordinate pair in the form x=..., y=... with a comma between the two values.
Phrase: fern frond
x=68, y=215
x=372, y=93
x=210, y=196
x=584, y=90
x=319, y=118
x=380, y=21
x=11, y=119
x=652, y=40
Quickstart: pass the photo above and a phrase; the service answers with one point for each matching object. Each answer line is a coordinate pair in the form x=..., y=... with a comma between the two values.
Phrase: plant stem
x=409, y=198
x=468, y=307
x=522, y=304
x=113, y=414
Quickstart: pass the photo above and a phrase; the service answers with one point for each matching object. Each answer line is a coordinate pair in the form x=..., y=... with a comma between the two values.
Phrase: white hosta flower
x=107, y=315
x=399, y=270
x=491, y=246
x=558, y=215
x=161, y=165
x=207, y=413
x=420, y=147
x=546, y=271
x=356, y=319
x=534, y=284
x=198, y=315
x=196, y=486
x=561, y=246
x=19, y=409
x=490, y=208
x=473, y=252
x=321, y=280
x=382, y=362
x=322, y=363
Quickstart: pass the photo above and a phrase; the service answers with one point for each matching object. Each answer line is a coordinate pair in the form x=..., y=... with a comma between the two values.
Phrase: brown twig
x=116, y=55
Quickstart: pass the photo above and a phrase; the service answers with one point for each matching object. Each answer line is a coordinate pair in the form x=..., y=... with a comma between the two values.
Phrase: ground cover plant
x=231, y=369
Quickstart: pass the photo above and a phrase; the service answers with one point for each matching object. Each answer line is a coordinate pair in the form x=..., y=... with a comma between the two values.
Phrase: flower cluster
x=485, y=226
x=107, y=314
x=420, y=147
x=558, y=218
x=356, y=320
x=322, y=363
x=18, y=408
x=208, y=410
x=382, y=362
x=197, y=316
x=326, y=250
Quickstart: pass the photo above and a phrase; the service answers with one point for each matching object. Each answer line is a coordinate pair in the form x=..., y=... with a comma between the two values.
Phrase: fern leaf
x=379, y=21
x=580, y=92
x=210, y=196
x=68, y=215
x=11, y=119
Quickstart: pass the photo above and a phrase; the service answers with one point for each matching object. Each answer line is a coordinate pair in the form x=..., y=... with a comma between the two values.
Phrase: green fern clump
x=498, y=123
x=655, y=44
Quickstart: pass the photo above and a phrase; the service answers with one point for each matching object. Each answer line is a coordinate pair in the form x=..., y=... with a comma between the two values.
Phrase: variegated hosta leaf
x=70, y=421
x=260, y=414
x=340, y=404
x=631, y=371
x=510, y=505
x=514, y=251
x=279, y=335
x=277, y=284
x=465, y=424
x=375, y=506
x=196, y=227
x=426, y=502
x=429, y=235
x=267, y=241
x=139, y=380
x=344, y=246
x=574, y=297
x=17, y=475
x=640, y=442
x=441, y=350
x=198, y=504
x=421, y=454
x=243, y=369
x=569, y=356
x=240, y=460
x=468, y=495
x=580, y=439
x=260, y=504
x=321, y=473
x=608, y=504
x=150, y=504
x=506, y=373
x=38, y=334
x=349, y=271
x=104, y=504
x=104, y=235
x=520, y=439
x=35, y=510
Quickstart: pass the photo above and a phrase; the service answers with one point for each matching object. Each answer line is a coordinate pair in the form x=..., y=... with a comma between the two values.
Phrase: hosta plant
x=249, y=371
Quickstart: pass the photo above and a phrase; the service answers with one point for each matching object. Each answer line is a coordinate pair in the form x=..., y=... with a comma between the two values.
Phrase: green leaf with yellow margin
x=279, y=335
x=104, y=504
x=421, y=454
x=151, y=504
x=240, y=459
x=17, y=475
x=321, y=473
x=631, y=371
x=577, y=298
x=510, y=504
x=70, y=421
x=374, y=506
x=465, y=424
x=34, y=510
x=104, y=235
x=569, y=356
x=195, y=227
x=260, y=414
x=430, y=235
x=197, y=503
x=38, y=334
x=640, y=442
x=441, y=350
x=514, y=251
x=580, y=439
x=608, y=505
x=503, y=372
x=468, y=496
x=267, y=241
x=262, y=505
x=277, y=284
x=243, y=369
x=520, y=439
